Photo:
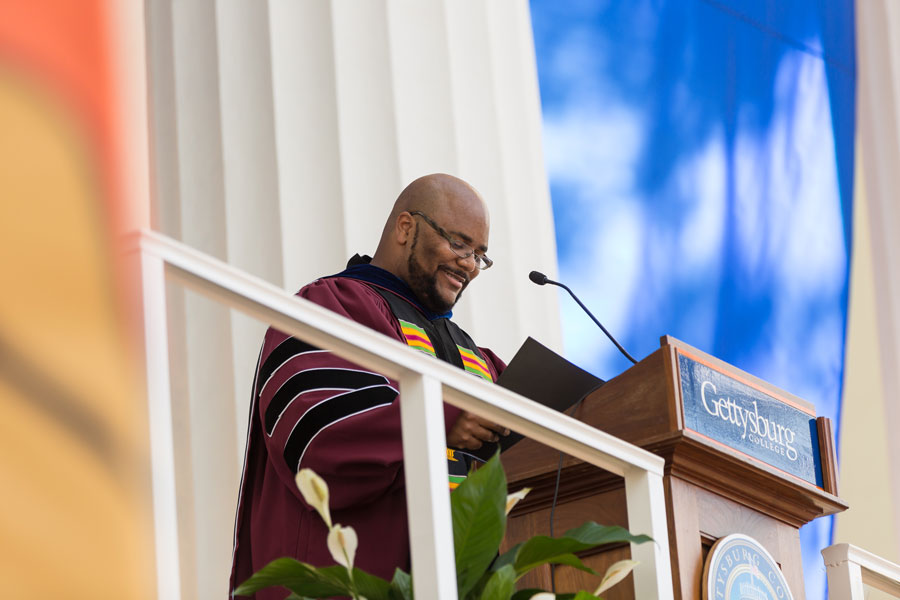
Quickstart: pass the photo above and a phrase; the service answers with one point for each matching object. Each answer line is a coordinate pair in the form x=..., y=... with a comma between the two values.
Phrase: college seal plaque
x=739, y=568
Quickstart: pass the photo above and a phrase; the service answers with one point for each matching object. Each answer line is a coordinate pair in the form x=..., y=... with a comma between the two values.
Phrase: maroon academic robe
x=312, y=409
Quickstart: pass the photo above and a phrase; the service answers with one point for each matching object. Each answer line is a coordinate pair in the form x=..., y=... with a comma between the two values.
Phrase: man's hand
x=471, y=431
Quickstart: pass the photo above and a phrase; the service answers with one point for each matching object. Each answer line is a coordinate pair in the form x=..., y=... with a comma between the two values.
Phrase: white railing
x=850, y=569
x=424, y=383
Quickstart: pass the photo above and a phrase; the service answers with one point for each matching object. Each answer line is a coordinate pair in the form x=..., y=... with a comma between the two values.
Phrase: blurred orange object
x=75, y=519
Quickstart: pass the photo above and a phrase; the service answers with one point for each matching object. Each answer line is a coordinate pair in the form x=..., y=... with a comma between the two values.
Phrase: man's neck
x=363, y=268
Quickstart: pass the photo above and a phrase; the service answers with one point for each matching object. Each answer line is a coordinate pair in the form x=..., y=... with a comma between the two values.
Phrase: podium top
x=720, y=426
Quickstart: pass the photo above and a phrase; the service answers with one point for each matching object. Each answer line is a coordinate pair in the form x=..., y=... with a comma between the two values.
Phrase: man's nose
x=468, y=264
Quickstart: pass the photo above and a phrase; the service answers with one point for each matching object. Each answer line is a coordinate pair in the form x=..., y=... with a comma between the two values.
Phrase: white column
x=367, y=120
x=251, y=197
x=878, y=40
x=308, y=147
x=528, y=219
x=422, y=90
x=165, y=212
x=498, y=128
x=190, y=205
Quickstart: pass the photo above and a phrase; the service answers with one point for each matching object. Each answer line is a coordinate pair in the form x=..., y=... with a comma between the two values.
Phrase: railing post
x=162, y=454
x=851, y=569
x=647, y=514
x=427, y=492
x=845, y=581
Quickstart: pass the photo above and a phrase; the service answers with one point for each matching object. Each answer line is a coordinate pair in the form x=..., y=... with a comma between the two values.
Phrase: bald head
x=433, y=194
x=409, y=243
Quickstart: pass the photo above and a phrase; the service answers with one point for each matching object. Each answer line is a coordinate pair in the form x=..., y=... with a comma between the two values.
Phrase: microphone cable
x=556, y=495
x=541, y=279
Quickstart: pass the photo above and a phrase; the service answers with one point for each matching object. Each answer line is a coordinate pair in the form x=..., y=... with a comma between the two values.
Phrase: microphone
x=538, y=277
x=541, y=279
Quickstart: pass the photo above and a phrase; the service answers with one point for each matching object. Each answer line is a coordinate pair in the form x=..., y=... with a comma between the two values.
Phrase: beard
x=424, y=284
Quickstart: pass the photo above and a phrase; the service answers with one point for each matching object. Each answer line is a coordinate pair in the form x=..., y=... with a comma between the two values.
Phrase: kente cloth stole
x=416, y=337
x=442, y=339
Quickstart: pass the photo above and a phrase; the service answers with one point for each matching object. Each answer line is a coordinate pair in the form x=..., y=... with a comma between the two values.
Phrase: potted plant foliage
x=479, y=508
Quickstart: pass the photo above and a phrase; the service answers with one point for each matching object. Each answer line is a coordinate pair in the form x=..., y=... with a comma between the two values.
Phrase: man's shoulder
x=351, y=298
x=335, y=285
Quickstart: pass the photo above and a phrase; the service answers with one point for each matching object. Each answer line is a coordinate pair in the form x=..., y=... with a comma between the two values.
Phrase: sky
x=700, y=158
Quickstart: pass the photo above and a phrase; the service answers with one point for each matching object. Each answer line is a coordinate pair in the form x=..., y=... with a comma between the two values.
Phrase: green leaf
x=596, y=534
x=370, y=586
x=507, y=558
x=571, y=560
x=307, y=581
x=526, y=594
x=300, y=578
x=476, y=590
x=501, y=585
x=541, y=549
x=401, y=586
x=479, y=521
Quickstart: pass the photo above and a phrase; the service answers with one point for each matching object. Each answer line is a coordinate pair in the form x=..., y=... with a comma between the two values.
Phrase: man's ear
x=404, y=227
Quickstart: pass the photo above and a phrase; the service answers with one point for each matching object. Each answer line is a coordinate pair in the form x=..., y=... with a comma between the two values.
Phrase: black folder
x=542, y=375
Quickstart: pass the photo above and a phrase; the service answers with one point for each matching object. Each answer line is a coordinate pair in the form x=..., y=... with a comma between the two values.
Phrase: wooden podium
x=712, y=488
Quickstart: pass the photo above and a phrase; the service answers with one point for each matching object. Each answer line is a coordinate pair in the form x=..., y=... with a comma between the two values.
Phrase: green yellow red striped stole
x=455, y=479
x=416, y=337
x=474, y=363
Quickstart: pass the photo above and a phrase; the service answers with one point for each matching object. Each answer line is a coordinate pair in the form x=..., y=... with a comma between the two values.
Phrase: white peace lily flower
x=342, y=544
x=315, y=492
x=544, y=596
x=616, y=573
x=513, y=499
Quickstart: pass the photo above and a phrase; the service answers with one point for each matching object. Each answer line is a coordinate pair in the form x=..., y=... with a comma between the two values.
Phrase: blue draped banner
x=700, y=155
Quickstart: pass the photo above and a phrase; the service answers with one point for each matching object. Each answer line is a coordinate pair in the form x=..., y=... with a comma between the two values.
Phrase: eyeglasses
x=460, y=248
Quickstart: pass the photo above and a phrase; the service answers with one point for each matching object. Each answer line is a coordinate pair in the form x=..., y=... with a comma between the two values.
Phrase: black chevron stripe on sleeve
x=285, y=351
x=337, y=408
x=317, y=379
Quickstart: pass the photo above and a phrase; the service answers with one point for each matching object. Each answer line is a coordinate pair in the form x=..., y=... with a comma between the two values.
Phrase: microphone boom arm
x=541, y=279
x=599, y=324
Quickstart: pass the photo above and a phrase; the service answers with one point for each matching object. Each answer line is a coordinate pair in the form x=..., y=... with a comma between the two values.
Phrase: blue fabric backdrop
x=700, y=156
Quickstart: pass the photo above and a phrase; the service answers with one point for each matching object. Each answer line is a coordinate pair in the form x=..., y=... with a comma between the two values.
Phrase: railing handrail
x=850, y=567
x=323, y=328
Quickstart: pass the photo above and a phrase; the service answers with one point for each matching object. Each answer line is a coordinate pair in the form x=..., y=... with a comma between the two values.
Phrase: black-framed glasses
x=459, y=247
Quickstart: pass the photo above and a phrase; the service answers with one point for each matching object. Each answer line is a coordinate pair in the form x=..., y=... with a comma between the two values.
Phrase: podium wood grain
x=711, y=490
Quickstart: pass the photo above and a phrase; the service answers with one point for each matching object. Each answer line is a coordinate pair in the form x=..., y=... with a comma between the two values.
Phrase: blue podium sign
x=750, y=420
